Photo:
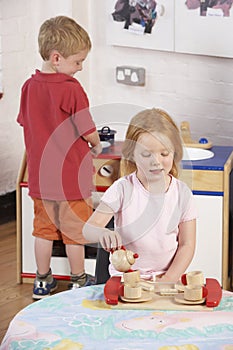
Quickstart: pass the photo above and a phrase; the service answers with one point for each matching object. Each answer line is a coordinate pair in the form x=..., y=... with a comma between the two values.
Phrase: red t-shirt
x=54, y=112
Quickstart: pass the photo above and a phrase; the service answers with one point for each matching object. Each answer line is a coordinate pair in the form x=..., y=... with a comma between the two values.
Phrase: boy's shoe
x=42, y=289
x=90, y=281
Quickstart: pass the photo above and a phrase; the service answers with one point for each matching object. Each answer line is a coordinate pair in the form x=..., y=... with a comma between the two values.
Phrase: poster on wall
x=147, y=24
x=204, y=27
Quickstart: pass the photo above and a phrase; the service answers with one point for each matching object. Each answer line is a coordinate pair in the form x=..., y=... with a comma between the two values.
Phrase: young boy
x=57, y=130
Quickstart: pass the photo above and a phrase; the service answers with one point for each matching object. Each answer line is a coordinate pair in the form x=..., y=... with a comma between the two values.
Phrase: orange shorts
x=61, y=220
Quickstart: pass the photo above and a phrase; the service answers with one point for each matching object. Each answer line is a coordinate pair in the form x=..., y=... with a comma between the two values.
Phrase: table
x=80, y=319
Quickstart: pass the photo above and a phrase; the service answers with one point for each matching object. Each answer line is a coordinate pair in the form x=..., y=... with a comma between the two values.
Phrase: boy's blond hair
x=150, y=121
x=63, y=34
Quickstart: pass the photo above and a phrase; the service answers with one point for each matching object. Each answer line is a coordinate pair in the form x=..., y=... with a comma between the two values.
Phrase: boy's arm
x=94, y=229
x=94, y=140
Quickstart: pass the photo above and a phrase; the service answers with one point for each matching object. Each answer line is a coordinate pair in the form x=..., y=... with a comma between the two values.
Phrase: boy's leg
x=44, y=282
x=45, y=231
x=43, y=253
x=72, y=216
x=76, y=257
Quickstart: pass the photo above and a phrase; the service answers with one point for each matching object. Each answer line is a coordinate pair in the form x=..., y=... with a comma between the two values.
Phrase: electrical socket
x=130, y=75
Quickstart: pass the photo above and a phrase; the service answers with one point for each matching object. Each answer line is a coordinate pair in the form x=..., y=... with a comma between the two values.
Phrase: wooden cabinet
x=209, y=247
x=209, y=181
x=26, y=266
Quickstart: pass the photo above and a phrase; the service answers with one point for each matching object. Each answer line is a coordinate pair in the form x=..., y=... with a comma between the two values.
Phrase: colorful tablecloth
x=79, y=319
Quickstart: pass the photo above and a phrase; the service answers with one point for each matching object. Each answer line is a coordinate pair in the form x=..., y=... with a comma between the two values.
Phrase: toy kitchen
x=205, y=168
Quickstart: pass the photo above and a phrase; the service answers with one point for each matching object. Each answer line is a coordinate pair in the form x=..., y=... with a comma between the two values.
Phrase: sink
x=192, y=153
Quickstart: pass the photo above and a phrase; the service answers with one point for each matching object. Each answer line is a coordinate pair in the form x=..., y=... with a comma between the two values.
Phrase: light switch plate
x=130, y=75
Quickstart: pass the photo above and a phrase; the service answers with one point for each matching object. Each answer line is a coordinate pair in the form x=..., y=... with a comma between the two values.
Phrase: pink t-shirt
x=54, y=114
x=149, y=223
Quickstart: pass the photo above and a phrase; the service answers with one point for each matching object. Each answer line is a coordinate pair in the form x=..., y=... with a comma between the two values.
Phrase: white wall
x=198, y=89
x=20, y=21
x=190, y=87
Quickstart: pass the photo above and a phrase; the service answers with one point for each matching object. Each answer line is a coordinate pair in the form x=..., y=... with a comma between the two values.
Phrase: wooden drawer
x=203, y=180
x=106, y=171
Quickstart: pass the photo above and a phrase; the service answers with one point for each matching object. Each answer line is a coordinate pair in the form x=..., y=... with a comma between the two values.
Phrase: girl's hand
x=110, y=240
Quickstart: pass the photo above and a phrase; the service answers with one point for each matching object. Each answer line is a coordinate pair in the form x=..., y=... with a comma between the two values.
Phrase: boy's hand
x=110, y=240
x=95, y=151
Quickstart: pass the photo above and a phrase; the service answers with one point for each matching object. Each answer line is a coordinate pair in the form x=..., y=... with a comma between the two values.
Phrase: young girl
x=154, y=212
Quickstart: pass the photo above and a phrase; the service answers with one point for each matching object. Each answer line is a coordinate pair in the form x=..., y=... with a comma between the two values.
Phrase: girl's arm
x=94, y=229
x=184, y=253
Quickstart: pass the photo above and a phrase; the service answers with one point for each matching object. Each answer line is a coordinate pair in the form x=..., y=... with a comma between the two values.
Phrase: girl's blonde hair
x=63, y=34
x=148, y=121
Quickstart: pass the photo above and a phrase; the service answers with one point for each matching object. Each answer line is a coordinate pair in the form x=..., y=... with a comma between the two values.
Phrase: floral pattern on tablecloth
x=79, y=319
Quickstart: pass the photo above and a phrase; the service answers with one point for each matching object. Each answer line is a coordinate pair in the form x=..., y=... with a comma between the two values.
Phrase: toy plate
x=144, y=297
x=179, y=298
